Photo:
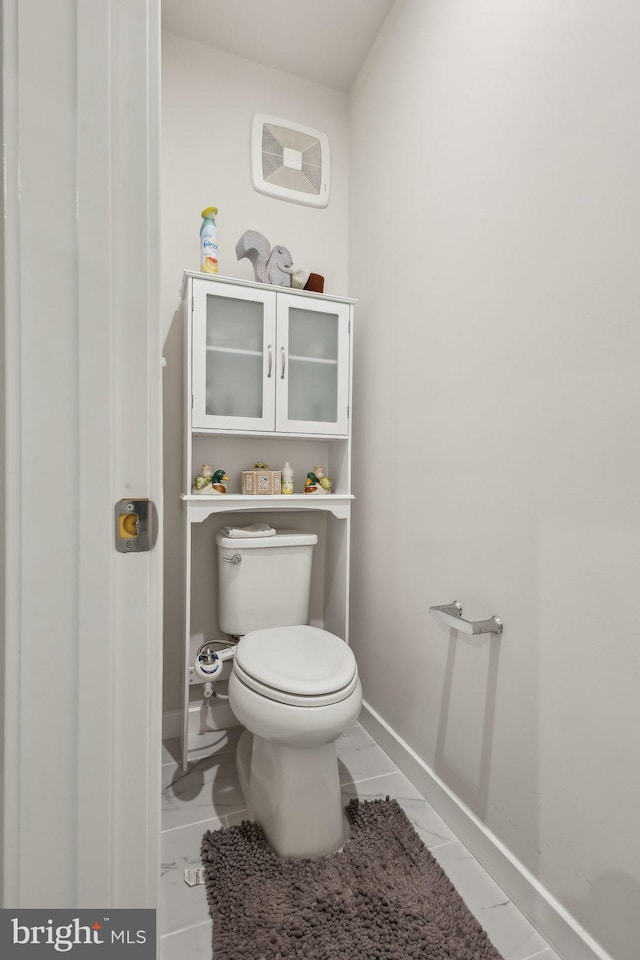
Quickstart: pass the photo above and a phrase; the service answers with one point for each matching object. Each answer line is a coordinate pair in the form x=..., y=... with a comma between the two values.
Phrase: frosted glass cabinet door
x=312, y=366
x=233, y=357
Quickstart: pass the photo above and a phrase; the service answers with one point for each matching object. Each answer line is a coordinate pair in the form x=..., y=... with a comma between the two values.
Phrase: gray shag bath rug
x=384, y=897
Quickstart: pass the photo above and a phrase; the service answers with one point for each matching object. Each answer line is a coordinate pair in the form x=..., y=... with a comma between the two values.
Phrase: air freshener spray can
x=209, y=241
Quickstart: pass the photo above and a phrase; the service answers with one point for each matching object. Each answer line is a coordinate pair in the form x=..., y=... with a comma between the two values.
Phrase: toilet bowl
x=295, y=689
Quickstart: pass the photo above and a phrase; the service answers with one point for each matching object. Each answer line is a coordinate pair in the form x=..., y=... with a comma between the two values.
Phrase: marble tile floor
x=209, y=796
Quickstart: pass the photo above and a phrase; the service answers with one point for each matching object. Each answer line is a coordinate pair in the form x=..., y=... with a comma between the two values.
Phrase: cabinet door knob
x=284, y=362
x=270, y=365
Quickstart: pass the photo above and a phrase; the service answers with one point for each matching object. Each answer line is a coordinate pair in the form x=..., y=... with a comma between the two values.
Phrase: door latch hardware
x=136, y=525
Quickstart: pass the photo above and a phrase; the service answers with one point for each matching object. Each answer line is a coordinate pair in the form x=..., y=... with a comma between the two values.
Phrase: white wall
x=494, y=211
x=209, y=99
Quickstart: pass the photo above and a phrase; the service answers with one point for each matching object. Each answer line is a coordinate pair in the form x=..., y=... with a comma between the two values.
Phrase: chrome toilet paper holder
x=451, y=614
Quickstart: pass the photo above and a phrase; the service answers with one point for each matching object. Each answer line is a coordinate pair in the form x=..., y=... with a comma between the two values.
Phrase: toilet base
x=294, y=794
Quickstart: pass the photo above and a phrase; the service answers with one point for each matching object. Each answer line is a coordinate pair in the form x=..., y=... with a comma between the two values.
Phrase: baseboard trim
x=548, y=916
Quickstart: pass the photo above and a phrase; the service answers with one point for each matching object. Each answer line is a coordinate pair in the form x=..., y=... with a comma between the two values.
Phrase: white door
x=313, y=366
x=82, y=429
x=233, y=357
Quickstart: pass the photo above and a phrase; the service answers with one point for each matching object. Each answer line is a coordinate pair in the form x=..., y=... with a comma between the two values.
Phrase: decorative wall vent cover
x=290, y=161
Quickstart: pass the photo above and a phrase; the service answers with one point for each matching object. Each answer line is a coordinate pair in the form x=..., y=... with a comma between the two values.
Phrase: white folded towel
x=253, y=530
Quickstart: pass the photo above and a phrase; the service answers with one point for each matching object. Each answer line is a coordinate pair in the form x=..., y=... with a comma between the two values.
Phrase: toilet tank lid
x=283, y=538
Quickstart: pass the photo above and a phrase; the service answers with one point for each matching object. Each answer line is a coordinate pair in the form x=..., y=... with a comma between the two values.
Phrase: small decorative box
x=261, y=481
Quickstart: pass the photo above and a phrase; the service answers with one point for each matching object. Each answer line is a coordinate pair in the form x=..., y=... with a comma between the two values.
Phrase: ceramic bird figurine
x=219, y=482
x=270, y=265
x=210, y=482
x=317, y=484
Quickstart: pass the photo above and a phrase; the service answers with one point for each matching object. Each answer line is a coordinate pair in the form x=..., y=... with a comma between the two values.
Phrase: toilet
x=294, y=687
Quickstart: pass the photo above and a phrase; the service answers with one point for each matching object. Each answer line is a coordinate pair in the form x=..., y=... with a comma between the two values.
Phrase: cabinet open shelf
x=267, y=434
x=200, y=507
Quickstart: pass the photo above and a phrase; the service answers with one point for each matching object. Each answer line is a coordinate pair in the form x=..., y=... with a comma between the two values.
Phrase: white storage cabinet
x=267, y=377
x=266, y=360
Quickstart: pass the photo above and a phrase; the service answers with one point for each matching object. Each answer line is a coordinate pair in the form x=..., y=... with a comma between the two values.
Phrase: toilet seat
x=295, y=700
x=298, y=665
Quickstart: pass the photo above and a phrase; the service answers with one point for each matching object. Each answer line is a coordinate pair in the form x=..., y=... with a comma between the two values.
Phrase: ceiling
x=321, y=40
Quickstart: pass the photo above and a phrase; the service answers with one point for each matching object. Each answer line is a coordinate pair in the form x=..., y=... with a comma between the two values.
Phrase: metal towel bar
x=451, y=614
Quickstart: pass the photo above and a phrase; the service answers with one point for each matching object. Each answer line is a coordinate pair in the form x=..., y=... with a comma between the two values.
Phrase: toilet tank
x=269, y=586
